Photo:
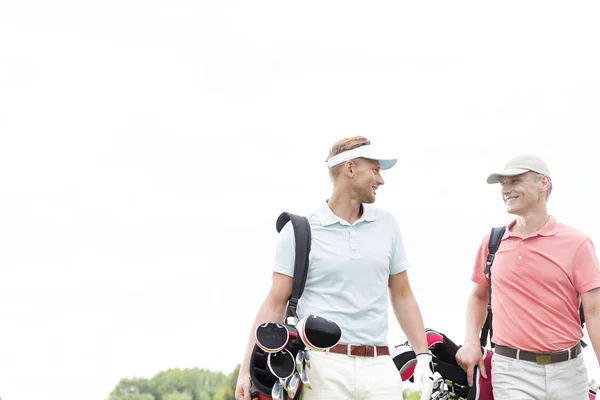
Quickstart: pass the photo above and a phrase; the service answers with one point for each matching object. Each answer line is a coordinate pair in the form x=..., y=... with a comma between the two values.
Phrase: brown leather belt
x=540, y=358
x=360, y=351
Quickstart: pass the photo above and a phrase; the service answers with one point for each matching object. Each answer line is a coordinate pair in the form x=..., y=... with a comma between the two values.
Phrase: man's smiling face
x=523, y=192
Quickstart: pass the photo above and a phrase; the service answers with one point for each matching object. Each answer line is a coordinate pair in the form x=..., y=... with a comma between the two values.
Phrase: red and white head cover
x=405, y=360
x=444, y=360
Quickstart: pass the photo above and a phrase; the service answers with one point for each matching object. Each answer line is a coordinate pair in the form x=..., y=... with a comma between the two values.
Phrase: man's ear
x=546, y=182
x=350, y=167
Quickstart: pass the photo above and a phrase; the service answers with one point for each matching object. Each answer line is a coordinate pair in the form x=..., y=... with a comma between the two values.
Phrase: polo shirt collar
x=327, y=217
x=549, y=229
x=369, y=214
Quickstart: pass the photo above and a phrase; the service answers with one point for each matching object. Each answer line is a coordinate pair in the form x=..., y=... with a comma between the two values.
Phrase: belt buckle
x=543, y=359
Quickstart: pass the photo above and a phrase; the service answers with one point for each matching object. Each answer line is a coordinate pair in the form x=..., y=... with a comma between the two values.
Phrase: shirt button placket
x=519, y=256
x=353, y=245
x=519, y=260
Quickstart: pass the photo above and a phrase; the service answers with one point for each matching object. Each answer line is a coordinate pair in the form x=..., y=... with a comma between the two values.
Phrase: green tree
x=179, y=384
x=135, y=396
x=134, y=389
x=224, y=393
x=179, y=396
x=226, y=390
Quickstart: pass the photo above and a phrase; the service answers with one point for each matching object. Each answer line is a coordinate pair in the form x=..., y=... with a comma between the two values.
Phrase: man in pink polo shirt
x=541, y=271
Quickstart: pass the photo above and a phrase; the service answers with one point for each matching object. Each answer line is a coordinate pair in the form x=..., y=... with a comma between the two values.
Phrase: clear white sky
x=147, y=148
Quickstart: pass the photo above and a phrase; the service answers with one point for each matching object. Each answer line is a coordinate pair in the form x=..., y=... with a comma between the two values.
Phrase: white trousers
x=525, y=380
x=340, y=377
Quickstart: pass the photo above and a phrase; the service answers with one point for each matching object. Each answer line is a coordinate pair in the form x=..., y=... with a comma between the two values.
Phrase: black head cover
x=281, y=364
x=271, y=337
x=318, y=332
x=441, y=347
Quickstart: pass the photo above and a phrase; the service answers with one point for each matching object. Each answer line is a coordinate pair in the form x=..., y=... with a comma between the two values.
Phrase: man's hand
x=423, y=375
x=242, y=389
x=468, y=357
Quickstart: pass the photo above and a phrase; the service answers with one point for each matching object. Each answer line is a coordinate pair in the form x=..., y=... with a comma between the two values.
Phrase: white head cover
x=366, y=151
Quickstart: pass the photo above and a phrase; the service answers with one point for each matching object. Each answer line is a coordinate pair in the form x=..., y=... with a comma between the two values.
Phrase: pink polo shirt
x=536, y=283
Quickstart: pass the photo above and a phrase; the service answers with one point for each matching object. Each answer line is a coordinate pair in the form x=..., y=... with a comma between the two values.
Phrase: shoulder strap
x=582, y=321
x=302, y=237
x=493, y=245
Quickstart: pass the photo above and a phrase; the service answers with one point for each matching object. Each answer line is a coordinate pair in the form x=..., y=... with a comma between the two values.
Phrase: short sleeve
x=399, y=262
x=286, y=251
x=586, y=273
x=477, y=275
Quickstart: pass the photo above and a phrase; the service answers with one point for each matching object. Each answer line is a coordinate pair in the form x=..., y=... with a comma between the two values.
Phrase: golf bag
x=264, y=382
x=450, y=380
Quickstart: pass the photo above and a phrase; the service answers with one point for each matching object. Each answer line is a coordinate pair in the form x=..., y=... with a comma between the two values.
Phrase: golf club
x=304, y=379
x=299, y=361
x=277, y=392
x=307, y=357
x=293, y=385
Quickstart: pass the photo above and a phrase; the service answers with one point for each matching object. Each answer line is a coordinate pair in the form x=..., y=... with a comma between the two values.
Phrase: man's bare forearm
x=410, y=320
x=593, y=327
x=476, y=315
x=591, y=308
x=269, y=311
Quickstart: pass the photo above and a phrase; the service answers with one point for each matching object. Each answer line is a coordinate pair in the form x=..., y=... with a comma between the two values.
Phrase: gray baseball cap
x=519, y=165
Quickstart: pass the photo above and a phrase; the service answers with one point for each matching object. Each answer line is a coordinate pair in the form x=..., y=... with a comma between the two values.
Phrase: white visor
x=366, y=151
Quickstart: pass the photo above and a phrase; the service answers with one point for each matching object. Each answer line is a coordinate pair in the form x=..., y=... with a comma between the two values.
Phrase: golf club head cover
x=281, y=364
x=405, y=360
x=319, y=333
x=444, y=351
x=441, y=347
x=271, y=337
x=444, y=362
x=261, y=376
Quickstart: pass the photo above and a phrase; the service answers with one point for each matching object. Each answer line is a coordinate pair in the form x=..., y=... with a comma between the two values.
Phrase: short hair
x=539, y=176
x=344, y=145
x=348, y=144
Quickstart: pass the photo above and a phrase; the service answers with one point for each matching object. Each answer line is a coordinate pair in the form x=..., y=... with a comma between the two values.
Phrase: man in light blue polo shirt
x=357, y=254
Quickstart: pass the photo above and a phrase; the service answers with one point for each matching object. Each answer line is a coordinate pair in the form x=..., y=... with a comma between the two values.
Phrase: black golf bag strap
x=582, y=322
x=493, y=245
x=302, y=236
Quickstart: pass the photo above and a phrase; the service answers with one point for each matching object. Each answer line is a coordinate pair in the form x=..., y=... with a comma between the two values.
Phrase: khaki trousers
x=525, y=380
x=340, y=377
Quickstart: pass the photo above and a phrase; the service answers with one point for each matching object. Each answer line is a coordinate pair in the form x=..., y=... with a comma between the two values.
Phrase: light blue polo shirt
x=349, y=269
